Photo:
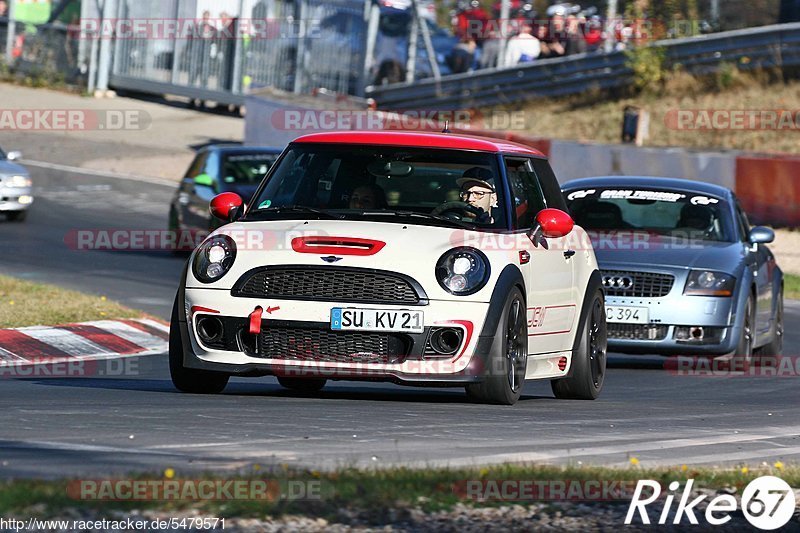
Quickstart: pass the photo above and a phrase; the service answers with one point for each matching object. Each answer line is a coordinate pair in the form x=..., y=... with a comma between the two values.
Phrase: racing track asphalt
x=113, y=425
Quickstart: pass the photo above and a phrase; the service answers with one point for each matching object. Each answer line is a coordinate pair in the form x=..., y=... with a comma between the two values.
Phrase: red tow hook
x=255, y=321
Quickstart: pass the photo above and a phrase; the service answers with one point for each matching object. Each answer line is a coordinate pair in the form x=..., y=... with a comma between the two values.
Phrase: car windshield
x=408, y=185
x=246, y=168
x=667, y=212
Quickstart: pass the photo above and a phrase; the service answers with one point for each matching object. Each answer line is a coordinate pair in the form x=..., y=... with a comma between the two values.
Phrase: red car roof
x=419, y=139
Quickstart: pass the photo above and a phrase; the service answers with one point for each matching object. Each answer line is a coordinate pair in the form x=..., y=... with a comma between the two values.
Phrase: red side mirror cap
x=554, y=223
x=224, y=205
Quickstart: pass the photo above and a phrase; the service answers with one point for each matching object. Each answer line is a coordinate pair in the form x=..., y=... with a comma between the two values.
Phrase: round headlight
x=463, y=271
x=214, y=258
x=706, y=279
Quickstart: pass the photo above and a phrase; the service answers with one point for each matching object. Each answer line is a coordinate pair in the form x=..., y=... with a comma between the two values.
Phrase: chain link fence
x=47, y=51
x=293, y=46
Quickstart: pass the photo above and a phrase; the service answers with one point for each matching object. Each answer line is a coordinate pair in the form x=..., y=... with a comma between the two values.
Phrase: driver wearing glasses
x=478, y=191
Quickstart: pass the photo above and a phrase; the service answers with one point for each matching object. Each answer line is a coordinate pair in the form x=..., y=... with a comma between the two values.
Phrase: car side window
x=549, y=184
x=197, y=166
x=528, y=198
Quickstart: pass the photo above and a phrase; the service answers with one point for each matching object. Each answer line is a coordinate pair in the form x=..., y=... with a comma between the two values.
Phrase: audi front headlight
x=709, y=283
x=463, y=271
x=16, y=182
x=214, y=258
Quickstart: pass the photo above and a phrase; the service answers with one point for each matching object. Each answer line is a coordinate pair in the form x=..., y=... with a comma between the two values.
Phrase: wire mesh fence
x=49, y=51
x=288, y=45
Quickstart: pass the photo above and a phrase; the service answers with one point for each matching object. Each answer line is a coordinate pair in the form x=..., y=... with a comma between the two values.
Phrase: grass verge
x=596, y=116
x=373, y=495
x=24, y=303
x=791, y=286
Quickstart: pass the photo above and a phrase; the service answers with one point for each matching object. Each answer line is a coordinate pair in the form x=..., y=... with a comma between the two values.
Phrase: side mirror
x=226, y=206
x=14, y=155
x=761, y=235
x=554, y=223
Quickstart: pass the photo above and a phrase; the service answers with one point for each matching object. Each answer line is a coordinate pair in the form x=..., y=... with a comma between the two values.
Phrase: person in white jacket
x=523, y=47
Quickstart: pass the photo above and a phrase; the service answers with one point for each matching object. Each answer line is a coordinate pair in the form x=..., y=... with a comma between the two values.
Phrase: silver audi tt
x=683, y=271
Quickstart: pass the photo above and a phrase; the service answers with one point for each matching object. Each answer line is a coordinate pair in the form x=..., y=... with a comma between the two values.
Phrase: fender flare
x=509, y=277
x=594, y=284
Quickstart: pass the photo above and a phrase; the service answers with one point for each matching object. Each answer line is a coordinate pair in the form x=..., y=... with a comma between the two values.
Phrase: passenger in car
x=368, y=197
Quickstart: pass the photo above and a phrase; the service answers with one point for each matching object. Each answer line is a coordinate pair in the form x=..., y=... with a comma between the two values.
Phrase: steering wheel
x=457, y=209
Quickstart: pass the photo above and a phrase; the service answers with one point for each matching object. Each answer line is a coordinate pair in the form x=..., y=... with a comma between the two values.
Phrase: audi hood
x=624, y=248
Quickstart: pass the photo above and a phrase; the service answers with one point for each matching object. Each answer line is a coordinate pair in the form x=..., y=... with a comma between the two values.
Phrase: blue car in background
x=216, y=169
x=683, y=271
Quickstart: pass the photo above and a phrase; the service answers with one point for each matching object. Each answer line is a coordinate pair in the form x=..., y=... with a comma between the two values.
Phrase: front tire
x=769, y=353
x=589, y=360
x=743, y=356
x=190, y=380
x=508, y=360
x=17, y=216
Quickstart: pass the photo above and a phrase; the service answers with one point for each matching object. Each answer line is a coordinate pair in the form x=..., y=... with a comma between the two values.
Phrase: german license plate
x=350, y=319
x=627, y=315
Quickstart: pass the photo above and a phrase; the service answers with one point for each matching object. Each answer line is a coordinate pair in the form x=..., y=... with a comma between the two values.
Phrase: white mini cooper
x=419, y=258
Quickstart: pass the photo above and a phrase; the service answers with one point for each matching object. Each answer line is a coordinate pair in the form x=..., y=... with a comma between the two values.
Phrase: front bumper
x=666, y=316
x=15, y=199
x=237, y=355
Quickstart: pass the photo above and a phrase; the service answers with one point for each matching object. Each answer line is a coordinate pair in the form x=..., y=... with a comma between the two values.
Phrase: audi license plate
x=627, y=315
x=377, y=320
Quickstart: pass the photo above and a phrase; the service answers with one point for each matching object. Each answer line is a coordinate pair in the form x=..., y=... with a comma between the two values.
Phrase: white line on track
x=100, y=173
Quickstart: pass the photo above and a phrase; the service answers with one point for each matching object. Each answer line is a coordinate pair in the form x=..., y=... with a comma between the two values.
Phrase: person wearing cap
x=478, y=190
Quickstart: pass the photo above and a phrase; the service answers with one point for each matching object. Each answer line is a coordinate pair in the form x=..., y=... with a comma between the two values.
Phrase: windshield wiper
x=298, y=209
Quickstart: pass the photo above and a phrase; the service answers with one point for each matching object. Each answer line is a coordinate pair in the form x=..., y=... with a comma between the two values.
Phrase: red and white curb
x=103, y=339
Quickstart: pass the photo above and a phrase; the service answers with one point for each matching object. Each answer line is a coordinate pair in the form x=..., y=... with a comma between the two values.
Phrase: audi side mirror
x=761, y=235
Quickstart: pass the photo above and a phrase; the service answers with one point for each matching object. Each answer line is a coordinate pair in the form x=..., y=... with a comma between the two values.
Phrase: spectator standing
x=491, y=51
x=576, y=43
x=556, y=33
x=472, y=22
x=462, y=56
x=202, y=50
x=594, y=34
x=3, y=9
x=226, y=48
x=523, y=47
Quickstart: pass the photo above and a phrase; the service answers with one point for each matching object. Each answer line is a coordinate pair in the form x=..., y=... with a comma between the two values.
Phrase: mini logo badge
x=331, y=259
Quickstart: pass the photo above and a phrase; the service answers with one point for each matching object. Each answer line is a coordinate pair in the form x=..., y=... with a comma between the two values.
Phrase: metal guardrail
x=768, y=46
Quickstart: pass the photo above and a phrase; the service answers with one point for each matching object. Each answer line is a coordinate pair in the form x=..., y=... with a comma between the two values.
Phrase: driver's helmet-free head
x=477, y=176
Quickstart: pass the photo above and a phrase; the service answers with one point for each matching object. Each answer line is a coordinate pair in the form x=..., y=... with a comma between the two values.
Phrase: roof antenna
x=446, y=129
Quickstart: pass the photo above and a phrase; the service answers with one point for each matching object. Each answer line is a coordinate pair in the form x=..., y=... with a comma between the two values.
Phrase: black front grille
x=317, y=344
x=639, y=332
x=636, y=284
x=330, y=284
